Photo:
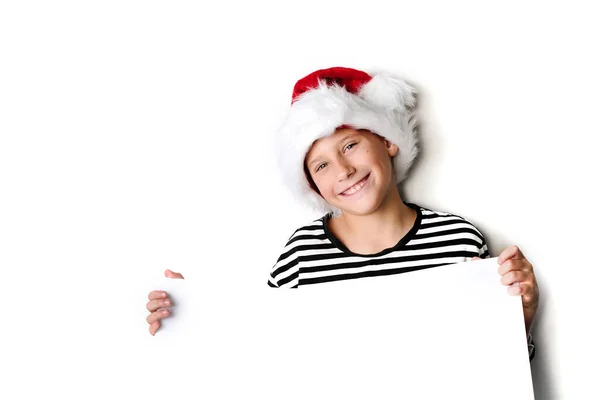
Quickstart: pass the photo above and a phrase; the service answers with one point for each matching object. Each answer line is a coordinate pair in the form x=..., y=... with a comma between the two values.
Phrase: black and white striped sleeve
x=530, y=347
x=482, y=248
x=284, y=274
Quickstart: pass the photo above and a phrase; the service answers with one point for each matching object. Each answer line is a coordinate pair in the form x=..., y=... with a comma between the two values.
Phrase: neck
x=378, y=230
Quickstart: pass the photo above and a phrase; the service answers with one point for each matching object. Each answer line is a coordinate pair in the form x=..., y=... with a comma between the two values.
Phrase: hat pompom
x=388, y=92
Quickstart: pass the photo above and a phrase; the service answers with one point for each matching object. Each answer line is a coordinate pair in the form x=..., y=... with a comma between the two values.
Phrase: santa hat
x=331, y=98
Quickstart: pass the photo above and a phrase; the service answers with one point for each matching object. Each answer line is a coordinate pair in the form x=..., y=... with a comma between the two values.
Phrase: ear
x=391, y=148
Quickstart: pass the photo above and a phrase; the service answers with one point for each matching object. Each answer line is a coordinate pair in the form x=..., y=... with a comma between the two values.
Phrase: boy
x=347, y=142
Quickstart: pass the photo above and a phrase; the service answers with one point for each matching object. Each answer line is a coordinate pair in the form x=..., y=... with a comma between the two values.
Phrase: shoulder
x=448, y=228
x=285, y=271
x=307, y=231
x=444, y=220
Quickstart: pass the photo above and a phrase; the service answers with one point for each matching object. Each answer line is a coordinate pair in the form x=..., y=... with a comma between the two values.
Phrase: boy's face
x=352, y=169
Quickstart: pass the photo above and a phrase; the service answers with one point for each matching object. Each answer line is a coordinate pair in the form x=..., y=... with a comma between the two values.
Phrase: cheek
x=320, y=183
x=325, y=185
x=377, y=158
x=385, y=163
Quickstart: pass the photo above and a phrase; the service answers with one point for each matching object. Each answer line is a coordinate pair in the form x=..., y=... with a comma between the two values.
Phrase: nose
x=344, y=170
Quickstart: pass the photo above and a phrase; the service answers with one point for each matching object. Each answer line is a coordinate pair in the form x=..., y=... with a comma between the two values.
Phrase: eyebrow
x=340, y=141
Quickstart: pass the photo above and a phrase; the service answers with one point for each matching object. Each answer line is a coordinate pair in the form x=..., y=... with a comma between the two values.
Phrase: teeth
x=355, y=188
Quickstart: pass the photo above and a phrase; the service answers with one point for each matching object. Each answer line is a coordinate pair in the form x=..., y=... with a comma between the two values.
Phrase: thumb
x=173, y=275
x=475, y=258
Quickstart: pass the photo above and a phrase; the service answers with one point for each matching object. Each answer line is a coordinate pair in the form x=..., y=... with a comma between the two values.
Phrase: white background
x=134, y=137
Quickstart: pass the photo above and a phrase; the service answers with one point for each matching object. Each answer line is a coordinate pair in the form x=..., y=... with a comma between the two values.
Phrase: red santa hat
x=328, y=99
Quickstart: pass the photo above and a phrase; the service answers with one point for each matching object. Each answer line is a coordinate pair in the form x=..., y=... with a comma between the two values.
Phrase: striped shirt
x=314, y=255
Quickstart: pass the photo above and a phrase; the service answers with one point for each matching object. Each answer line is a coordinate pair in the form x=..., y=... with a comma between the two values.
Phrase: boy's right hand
x=159, y=303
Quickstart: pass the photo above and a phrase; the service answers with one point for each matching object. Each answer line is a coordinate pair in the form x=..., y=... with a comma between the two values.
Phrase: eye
x=320, y=166
x=349, y=146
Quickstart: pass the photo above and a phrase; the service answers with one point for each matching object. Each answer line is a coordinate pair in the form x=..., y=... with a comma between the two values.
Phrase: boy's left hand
x=517, y=273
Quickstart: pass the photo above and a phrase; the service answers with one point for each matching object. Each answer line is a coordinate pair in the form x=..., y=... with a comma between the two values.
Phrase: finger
x=512, y=265
x=515, y=265
x=515, y=290
x=173, y=275
x=512, y=277
x=475, y=258
x=508, y=253
x=158, y=315
x=154, y=305
x=157, y=294
x=154, y=327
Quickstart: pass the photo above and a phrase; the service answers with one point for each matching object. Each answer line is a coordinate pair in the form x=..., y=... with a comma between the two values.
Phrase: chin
x=365, y=208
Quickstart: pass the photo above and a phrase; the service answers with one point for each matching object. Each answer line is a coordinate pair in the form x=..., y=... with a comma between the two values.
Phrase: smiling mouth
x=356, y=188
